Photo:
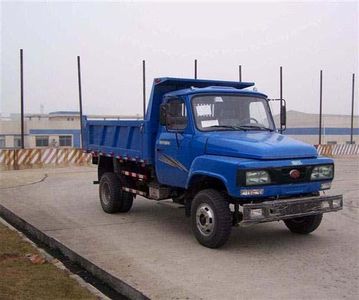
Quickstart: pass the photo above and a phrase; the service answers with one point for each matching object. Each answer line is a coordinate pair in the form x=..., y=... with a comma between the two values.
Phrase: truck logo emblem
x=295, y=174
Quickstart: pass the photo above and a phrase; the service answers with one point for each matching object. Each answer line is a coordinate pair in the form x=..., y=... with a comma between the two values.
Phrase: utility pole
x=240, y=73
x=195, y=69
x=281, y=94
x=320, y=106
x=144, y=87
x=352, y=114
x=22, y=99
x=80, y=96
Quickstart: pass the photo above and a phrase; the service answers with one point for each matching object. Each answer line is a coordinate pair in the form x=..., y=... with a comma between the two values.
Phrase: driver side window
x=177, y=115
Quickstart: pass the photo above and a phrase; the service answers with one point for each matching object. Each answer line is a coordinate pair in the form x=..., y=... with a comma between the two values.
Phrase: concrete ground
x=152, y=248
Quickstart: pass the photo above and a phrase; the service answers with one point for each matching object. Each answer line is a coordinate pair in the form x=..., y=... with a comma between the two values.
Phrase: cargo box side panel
x=126, y=139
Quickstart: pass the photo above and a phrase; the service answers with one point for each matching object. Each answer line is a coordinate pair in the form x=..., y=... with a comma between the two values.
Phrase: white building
x=56, y=129
x=335, y=128
x=62, y=129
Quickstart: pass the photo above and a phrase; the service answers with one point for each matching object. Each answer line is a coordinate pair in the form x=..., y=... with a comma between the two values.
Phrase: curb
x=117, y=284
x=57, y=263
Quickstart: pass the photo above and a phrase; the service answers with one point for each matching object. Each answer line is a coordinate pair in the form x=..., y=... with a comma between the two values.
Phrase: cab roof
x=186, y=86
x=214, y=90
x=184, y=83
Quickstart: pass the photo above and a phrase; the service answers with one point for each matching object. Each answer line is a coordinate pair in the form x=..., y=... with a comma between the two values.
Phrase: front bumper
x=276, y=210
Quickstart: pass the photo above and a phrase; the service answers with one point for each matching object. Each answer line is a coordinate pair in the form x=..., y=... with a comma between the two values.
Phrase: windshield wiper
x=225, y=126
x=242, y=127
x=255, y=127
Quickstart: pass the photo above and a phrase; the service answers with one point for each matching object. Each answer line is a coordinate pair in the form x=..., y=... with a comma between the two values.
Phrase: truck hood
x=257, y=145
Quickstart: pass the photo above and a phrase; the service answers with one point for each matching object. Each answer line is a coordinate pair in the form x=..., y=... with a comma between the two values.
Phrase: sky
x=113, y=38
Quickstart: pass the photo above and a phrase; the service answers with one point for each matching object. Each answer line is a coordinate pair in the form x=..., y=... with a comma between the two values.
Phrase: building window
x=65, y=140
x=2, y=142
x=42, y=141
x=17, y=141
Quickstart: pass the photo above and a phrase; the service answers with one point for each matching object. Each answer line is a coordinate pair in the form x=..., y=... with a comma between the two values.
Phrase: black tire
x=211, y=218
x=112, y=198
x=304, y=225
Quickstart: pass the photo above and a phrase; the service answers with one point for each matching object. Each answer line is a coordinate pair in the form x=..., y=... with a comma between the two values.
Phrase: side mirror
x=163, y=114
x=283, y=115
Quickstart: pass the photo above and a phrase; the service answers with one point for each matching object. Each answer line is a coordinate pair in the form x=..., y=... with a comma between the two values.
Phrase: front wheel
x=304, y=225
x=113, y=198
x=211, y=218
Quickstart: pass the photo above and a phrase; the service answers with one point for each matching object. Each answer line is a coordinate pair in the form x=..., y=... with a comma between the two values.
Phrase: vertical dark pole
x=320, y=106
x=240, y=73
x=352, y=115
x=144, y=87
x=281, y=82
x=80, y=96
x=22, y=99
x=281, y=95
x=195, y=69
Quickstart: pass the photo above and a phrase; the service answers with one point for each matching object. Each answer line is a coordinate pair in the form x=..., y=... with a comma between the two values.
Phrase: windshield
x=231, y=112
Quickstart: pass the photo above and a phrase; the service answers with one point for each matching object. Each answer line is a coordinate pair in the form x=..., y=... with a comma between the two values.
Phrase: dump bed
x=118, y=138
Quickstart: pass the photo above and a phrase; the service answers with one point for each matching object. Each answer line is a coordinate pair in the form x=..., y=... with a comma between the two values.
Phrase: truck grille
x=281, y=175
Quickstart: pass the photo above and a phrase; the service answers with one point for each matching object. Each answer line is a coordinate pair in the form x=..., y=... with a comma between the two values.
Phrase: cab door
x=173, y=145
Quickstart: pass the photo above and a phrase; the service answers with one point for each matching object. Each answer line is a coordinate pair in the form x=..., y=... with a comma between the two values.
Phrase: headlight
x=257, y=177
x=322, y=172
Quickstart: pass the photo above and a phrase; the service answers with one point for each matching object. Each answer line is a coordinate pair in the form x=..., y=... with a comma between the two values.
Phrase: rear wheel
x=211, y=218
x=304, y=225
x=113, y=199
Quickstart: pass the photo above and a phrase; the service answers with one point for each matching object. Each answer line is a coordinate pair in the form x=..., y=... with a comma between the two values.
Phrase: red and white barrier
x=49, y=156
x=27, y=157
x=7, y=159
x=36, y=158
x=62, y=156
x=338, y=150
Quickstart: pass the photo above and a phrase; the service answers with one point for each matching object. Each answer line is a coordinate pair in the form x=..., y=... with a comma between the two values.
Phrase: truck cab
x=213, y=147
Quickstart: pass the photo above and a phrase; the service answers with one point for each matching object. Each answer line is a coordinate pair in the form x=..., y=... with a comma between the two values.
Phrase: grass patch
x=22, y=279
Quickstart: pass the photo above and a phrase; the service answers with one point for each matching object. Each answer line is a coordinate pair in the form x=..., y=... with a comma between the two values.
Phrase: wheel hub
x=205, y=219
x=105, y=193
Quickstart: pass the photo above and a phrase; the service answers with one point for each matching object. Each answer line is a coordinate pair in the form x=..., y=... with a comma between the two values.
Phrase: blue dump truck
x=213, y=147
